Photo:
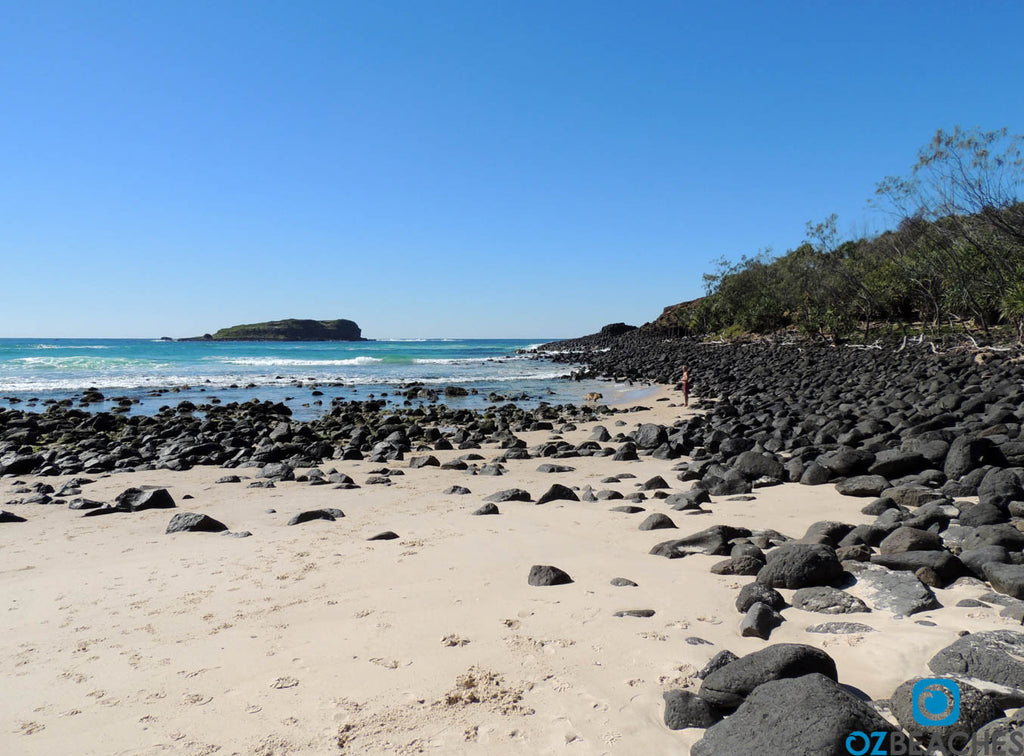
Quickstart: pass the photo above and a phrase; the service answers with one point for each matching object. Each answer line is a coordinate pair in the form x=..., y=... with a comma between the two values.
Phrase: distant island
x=288, y=330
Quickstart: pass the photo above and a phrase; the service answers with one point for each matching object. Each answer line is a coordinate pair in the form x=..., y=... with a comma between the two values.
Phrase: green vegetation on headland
x=288, y=330
x=954, y=263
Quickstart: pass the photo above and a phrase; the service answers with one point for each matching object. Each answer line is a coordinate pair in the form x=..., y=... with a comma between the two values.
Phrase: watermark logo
x=935, y=702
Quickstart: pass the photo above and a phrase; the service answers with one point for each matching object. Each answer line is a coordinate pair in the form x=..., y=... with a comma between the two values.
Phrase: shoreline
x=312, y=639
x=279, y=642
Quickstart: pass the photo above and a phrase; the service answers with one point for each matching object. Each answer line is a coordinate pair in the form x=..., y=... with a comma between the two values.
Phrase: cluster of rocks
x=69, y=441
x=786, y=700
x=914, y=430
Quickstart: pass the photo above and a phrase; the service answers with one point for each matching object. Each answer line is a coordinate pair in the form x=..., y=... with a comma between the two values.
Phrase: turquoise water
x=57, y=369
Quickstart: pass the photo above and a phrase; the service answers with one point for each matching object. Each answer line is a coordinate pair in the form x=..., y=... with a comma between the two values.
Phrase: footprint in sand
x=653, y=636
x=194, y=673
x=195, y=699
x=282, y=683
x=387, y=663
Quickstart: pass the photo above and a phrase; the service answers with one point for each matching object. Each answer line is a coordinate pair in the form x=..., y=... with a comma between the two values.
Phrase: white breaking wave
x=279, y=362
x=452, y=360
x=85, y=363
x=213, y=382
x=69, y=346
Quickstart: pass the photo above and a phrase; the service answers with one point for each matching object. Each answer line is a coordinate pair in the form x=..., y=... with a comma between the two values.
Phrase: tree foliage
x=954, y=258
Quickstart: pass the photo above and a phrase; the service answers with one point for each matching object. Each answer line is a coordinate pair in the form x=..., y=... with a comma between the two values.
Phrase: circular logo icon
x=936, y=702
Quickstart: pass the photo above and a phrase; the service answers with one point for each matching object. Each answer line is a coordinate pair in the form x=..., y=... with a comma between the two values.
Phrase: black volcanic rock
x=558, y=492
x=810, y=715
x=728, y=686
x=194, y=522
x=685, y=709
x=137, y=499
x=543, y=574
x=993, y=656
x=316, y=514
x=799, y=565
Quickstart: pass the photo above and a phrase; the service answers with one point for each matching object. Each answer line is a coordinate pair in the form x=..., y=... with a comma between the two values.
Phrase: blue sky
x=463, y=169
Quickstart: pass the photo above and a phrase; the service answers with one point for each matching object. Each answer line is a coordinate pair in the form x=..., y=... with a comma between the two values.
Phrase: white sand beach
x=120, y=639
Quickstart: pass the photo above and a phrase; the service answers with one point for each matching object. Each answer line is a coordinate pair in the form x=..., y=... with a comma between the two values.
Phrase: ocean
x=153, y=373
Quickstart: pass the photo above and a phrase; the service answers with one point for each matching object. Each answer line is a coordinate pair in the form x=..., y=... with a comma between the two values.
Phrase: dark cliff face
x=289, y=330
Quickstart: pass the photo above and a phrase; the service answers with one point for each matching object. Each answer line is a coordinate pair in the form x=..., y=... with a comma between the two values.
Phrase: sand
x=119, y=639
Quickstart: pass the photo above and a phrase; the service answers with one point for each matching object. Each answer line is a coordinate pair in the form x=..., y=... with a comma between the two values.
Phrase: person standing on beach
x=685, y=384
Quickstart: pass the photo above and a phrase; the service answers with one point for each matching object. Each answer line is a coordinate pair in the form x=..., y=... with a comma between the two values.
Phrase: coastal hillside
x=953, y=263
x=288, y=330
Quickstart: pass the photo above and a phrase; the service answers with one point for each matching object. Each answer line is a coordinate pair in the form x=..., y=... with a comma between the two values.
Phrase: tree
x=967, y=183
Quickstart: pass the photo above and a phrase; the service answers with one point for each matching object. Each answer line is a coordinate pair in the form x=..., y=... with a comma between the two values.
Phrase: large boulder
x=826, y=531
x=727, y=483
x=753, y=465
x=1000, y=737
x=685, y=709
x=759, y=621
x=974, y=560
x=277, y=471
x=1001, y=486
x=1006, y=578
x=558, y=492
x=965, y=454
x=685, y=500
x=316, y=514
x=825, y=600
x=657, y=521
x=728, y=686
x=995, y=656
x=20, y=464
x=194, y=522
x=810, y=715
x=942, y=564
x=545, y=574
x=650, y=436
x=1004, y=535
x=862, y=485
x=909, y=539
x=845, y=461
x=912, y=496
x=898, y=592
x=981, y=514
x=139, y=499
x=798, y=565
x=428, y=461
x=758, y=593
x=894, y=463
x=509, y=494
x=713, y=541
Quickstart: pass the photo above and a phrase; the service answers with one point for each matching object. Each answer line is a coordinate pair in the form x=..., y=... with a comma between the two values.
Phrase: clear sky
x=459, y=169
